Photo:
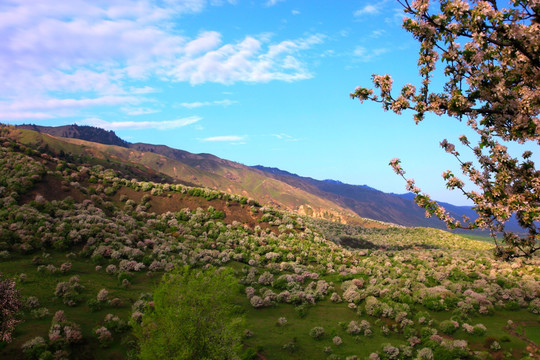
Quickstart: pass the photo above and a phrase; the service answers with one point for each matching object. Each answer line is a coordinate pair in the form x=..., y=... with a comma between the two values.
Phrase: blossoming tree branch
x=491, y=59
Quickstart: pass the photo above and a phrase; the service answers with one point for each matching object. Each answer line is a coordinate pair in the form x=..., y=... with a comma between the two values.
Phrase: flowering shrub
x=104, y=336
x=40, y=313
x=495, y=346
x=10, y=303
x=479, y=330
x=256, y=302
x=425, y=354
x=63, y=333
x=402, y=271
x=32, y=302
x=266, y=278
x=34, y=348
x=534, y=306
x=69, y=291
x=102, y=295
x=65, y=267
x=115, y=324
x=110, y=269
x=448, y=326
x=391, y=352
x=335, y=298
x=316, y=332
x=353, y=328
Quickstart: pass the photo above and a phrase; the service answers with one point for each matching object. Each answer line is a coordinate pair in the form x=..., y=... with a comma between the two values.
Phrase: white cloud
x=204, y=43
x=295, y=12
x=284, y=137
x=225, y=102
x=368, y=9
x=366, y=55
x=139, y=111
x=396, y=17
x=74, y=103
x=226, y=138
x=24, y=115
x=273, y=2
x=143, y=90
x=86, y=49
x=377, y=33
x=40, y=108
x=198, y=104
x=139, y=125
x=248, y=61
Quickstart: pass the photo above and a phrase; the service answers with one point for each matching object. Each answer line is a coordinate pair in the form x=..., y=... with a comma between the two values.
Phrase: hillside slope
x=86, y=245
x=196, y=170
x=323, y=198
x=363, y=200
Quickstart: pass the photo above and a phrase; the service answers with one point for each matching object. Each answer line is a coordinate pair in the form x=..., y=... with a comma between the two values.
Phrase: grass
x=271, y=337
x=43, y=286
x=533, y=333
x=485, y=238
x=268, y=338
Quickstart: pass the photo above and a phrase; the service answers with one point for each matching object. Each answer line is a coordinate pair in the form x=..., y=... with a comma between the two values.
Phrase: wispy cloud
x=48, y=108
x=55, y=104
x=396, y=17
x=249, y=60
x=139, y=125
x=139, y=111
x=24, y=115
x=285, y=137
x=198, y=104
x=273, y=2
x=368, y=9
x=366, y=55
x=226, y=138
x=377, y=33
x=95, y=49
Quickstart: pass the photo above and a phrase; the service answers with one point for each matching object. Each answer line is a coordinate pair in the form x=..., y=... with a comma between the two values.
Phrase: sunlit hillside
x=88, y=239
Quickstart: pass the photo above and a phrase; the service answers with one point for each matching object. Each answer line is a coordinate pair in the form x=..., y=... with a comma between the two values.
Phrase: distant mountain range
x=366, y=201
x=324, y=198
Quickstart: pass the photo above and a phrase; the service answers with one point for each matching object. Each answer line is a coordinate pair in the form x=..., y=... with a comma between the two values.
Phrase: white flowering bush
x=257, y=301
x=317, y=332
x=103, y=295
x=282, y=321
x=425, y=354
x=69, y=291
x=34, y=348
x=104, y=336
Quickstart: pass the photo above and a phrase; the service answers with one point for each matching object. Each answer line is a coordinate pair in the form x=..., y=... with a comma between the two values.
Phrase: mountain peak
x=83, y=132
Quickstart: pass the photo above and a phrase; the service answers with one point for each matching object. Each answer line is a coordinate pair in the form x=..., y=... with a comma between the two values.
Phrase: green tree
x=491, y=59
x=193, y=317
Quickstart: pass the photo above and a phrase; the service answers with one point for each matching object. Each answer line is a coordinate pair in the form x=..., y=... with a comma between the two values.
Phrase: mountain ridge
x=265, y=184
x=203, y=170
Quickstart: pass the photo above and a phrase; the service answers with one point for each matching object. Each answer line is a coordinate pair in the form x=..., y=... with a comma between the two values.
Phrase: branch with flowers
x=491, y=60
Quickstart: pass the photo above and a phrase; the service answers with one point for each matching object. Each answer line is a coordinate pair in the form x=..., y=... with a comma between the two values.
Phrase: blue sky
x=257, y=82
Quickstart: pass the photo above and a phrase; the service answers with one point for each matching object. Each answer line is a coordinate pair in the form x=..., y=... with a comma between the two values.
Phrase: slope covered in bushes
x=88, y=254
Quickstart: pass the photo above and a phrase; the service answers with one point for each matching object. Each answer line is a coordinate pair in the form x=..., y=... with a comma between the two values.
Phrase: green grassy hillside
x=202, y=171
x=89, y=241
